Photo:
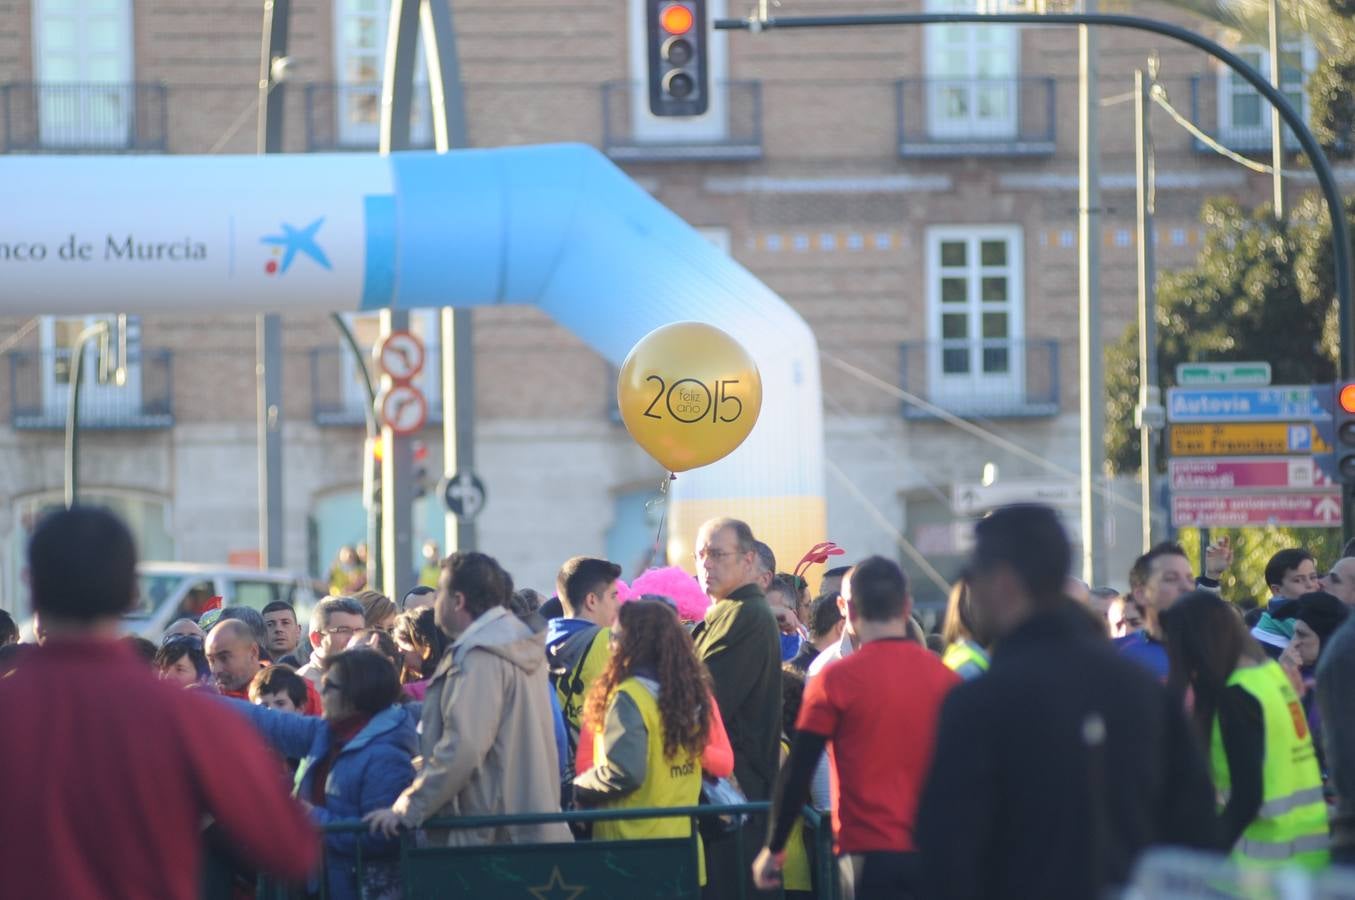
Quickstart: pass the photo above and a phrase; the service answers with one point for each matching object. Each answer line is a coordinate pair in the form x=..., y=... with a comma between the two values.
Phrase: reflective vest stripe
x=1282, y=850
x=1274, y=808
x=964, y=653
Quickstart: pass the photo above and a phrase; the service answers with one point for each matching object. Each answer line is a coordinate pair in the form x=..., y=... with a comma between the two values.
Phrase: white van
x=173, y=590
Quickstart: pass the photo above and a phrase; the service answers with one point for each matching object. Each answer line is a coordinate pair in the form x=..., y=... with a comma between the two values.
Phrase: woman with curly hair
x=656, y=710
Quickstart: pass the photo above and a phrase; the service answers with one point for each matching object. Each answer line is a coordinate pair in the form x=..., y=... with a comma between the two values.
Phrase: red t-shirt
x=106, y=774
x=878, y=708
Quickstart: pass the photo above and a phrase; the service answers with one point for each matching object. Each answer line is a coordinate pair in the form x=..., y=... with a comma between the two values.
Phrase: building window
x=975, y=312
x=82, y=58
x=708, y=128
x=1244, y=115
x=57, y=337
x=971, y=77
x=425, y=325
x=359, y=63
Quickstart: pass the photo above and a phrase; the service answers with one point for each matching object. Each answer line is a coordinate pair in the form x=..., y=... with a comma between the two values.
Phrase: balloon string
x=663, y=517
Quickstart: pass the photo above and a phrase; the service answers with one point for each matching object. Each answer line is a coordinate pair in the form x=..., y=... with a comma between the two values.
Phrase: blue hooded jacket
x=369, y=773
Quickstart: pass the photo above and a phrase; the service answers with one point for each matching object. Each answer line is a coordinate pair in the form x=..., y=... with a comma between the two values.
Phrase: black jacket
x=1056, y=768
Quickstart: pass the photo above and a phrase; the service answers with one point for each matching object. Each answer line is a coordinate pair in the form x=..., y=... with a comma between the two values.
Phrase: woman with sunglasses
x=181, y=660
x=654, y=700
x=356, y=759
x=1271, y=809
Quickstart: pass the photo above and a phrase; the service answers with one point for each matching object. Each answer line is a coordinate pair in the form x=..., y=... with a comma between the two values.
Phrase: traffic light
x=1345, y=431
x=678, y=79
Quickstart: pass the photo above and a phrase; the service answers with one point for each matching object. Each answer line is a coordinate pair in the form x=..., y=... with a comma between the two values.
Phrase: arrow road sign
x=464, y=494
x=1248, y=439
x=400, y=355
x=1234, y=473
x=1281, y=403
x=975, y=498
x=1300, y=509
x=404, y=409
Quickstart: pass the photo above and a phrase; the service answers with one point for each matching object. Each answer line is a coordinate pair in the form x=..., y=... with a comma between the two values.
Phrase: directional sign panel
x=977, y=498
x=1241, y=473
x=1306, y=509
x=1258, y=404
x=1233, y=373
x=1251, y=439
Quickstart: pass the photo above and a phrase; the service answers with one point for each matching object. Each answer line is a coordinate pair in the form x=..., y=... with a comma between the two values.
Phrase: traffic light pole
x=1326, y=179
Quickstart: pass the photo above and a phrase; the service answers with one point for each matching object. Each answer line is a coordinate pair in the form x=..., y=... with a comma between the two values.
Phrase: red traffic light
x=1346, y=398
x=676, y=19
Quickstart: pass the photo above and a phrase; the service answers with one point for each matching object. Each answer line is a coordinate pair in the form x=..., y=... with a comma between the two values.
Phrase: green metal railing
x=652, y=868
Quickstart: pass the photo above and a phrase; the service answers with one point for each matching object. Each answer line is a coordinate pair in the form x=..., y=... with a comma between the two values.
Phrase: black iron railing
x=940, y=117
x=39, y=385
x=1003, y=378
x=730, y=130
x=84, y=118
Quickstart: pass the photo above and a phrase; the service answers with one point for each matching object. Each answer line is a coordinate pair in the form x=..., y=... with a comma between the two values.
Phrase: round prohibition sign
x=404, y=409
x=400, y=355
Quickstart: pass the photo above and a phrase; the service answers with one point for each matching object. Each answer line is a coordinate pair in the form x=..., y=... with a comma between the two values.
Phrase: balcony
x=989, y=379
x=956, y=117
x=84, y=118
x=1244, y=126
x=347, y=117
x=40, y=393
x=731, y=131
x=338, y=398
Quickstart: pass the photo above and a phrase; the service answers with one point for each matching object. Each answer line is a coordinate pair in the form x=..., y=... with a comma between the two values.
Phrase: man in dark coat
x=1057, y=768
x=740, y=643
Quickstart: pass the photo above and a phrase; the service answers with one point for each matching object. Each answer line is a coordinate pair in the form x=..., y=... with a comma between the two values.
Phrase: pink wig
x=678, y=586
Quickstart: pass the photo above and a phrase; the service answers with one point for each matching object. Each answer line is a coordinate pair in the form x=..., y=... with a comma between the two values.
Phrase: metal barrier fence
x=650, y=868
x=1171, y=874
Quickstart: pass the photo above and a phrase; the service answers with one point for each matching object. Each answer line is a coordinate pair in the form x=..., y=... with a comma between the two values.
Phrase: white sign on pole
x=1230, y=373
x=974, y=498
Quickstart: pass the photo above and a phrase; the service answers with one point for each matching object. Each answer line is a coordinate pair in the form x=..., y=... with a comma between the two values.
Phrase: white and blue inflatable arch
x=556, y=226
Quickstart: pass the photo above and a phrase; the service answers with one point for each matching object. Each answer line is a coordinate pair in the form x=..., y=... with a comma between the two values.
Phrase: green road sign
x=1223, y=373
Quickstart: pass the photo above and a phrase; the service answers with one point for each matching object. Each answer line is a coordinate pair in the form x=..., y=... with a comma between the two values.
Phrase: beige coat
x=488, y=737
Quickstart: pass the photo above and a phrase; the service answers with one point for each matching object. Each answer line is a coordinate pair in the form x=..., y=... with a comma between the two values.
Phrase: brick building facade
x=910, y=192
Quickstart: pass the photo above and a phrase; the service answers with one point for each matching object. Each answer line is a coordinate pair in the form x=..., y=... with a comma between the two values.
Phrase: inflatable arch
x=557, y=226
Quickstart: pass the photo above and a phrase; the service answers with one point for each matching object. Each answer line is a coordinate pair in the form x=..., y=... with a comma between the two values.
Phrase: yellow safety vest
x=795, y=874
x=966, y=659
x=1291, y=827
x=669, y=781
x=572, y=689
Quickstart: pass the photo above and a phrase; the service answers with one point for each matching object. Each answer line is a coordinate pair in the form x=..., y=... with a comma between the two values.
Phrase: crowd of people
x=1035, y=747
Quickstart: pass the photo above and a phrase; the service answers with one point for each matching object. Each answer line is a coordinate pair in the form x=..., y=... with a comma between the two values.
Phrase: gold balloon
x=689, y=394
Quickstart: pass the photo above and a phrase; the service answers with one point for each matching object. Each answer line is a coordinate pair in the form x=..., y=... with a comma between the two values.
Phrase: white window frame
x=974, y=387
x=1228, y=87
x=85, y=115
x=368, y=134
x=428, y=381
x=647, y=128
x=939, y=82
x=112, y=399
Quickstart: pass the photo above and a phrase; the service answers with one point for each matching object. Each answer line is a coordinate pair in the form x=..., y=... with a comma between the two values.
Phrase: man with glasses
x=335, y=621
x=739, y=641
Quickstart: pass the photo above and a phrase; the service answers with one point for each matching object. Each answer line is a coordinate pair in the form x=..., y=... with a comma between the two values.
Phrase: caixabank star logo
x=292, y=241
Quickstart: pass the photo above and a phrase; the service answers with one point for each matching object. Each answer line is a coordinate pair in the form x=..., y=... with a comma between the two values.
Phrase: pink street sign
x=1233, y=473
x=1296, y=509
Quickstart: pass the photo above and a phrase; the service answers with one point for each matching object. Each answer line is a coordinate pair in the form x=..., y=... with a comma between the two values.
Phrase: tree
x=1258, y=291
